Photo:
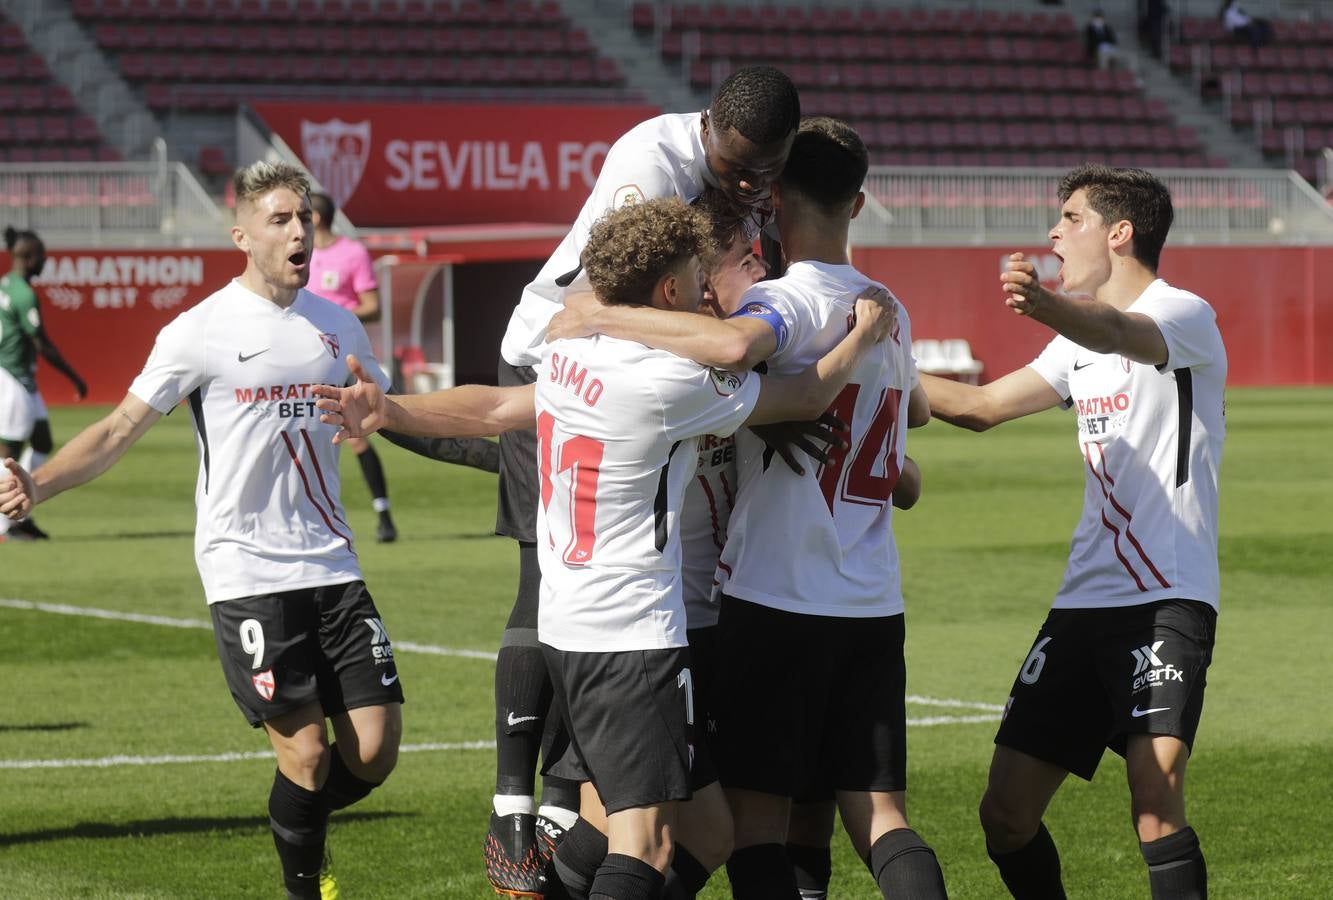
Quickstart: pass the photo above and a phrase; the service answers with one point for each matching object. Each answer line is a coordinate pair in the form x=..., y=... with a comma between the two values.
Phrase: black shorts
x=807, y=704
x=628, y=717
x=326, y=644
x=516, y=506
x=1096, y=676
x=703, y=669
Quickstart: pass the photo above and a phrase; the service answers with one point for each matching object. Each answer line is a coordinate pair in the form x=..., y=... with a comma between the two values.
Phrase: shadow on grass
x=45, y=726
x=154, y=827
x=123, y=536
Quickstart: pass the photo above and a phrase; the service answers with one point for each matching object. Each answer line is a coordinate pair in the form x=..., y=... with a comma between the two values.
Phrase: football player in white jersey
x=810, y=567
x=619, y=424
x=299, y=637
x=737, y=145
x=1121, y=660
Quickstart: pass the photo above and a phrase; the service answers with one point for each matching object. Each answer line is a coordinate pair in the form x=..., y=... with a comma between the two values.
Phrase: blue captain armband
x=758, y=309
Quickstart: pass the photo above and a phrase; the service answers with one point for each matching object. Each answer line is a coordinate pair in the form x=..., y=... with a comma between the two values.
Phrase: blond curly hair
x=632, y=248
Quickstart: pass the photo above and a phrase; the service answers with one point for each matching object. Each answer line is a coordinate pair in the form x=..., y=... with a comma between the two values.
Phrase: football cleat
x=328, y=885
x=514, y=863
x=385, y=532
x=549, y=835
x=27, y=530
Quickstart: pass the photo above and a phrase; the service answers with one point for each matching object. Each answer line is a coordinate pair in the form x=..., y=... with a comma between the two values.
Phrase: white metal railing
x=958, y=206
x=111, y=204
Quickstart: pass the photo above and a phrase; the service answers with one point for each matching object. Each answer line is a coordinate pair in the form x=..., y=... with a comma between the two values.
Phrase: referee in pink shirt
x=341, y=271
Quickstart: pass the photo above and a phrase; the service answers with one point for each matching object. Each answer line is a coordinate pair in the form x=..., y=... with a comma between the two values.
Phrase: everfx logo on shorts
x=1149, y=668
x=380, y=647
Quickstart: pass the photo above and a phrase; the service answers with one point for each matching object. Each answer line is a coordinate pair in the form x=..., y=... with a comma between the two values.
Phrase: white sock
x=380, y=504
x=565, y=818
x=4, y=525
x=508, y=804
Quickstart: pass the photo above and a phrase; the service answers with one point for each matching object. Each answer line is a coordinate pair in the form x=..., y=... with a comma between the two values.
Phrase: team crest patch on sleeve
x=627, y=195
x=330, y=342
x=264, y=684
x=726, y=383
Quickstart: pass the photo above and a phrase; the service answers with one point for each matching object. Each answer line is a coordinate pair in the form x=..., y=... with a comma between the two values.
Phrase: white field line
x=106, y=762
x=65, y=609
x=102, y=762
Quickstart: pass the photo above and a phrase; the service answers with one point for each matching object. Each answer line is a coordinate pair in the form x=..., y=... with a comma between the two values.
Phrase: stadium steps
x=643, y=66
x=1187, y=108
x=77, y=63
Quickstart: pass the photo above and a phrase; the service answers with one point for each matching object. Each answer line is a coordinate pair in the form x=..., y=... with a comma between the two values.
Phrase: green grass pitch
x=982, y=556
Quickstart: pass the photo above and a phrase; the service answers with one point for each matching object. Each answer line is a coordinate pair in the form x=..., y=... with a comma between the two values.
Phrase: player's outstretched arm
x=1099, y=327
x=90, y=453
x=477, y=453
x=1017, y=394
x=472, y=410
x=735, y=344
x=807, y=395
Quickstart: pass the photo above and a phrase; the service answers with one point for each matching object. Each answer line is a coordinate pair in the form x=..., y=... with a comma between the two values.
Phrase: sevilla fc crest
x=264, y=684
x=336, y=152
x=330, y=342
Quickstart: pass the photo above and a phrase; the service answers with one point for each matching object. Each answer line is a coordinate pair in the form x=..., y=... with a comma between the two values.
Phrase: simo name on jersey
x=287, y=401
x=1102, y=415
x=577, y=380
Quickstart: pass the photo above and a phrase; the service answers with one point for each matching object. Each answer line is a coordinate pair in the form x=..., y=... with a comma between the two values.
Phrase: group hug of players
x=699, y=463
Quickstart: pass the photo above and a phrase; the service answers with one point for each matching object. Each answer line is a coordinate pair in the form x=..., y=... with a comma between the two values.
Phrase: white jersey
x=617, y=425
x=822, y=543
x=703, y=526
x=1151, y=441
x=269, y=516
x=662, y=157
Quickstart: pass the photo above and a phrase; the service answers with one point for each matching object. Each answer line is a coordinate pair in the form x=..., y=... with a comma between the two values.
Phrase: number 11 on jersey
x=582, y=455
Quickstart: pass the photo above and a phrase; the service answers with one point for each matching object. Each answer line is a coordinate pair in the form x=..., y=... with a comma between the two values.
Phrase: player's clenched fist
x=1021, y=284
x=877, y=309
x=16, y=491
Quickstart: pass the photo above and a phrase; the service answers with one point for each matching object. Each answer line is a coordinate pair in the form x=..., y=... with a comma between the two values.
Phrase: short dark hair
x=633, y=247
x=828, y=162
x=759, y=102
x=726, y=223
x=323, y=205
x=15, y=236
x=1134, y=195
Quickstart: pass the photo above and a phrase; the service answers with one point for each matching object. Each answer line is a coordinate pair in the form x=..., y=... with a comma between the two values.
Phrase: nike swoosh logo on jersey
x=1077, y=367
x=386, y=680
x=241, y=357
x=1139, y=713
x=515, y=720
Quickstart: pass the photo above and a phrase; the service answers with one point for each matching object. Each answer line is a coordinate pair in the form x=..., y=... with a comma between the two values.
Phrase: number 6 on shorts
x=1032, y=666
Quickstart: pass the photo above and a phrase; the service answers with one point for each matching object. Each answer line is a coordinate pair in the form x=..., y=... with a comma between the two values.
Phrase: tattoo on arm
x=128, y=418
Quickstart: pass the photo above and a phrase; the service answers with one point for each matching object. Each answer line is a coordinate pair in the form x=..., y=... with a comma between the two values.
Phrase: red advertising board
x=103, y=308
x=444, y=164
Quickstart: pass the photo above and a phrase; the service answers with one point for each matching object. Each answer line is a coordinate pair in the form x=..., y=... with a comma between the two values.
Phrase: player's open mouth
x=297, y=259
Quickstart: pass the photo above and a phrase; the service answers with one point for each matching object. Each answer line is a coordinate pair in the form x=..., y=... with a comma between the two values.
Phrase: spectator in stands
x=1099, y=39
x=341, y=271
x=1153, y=18
x=23, y=418
x=1243, y=26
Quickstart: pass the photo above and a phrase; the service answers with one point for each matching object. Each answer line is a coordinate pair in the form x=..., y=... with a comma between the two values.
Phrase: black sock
x=577, y=858
x=342, y=788
x=1032, y=872
x=374, y=473
x=905, y=866
x=561, y=792
x=522, y=686
x=762, y=872
x=299, y=820
x=813, y=867
x=1176, y=869
x=622, y=877
x=686, y=877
